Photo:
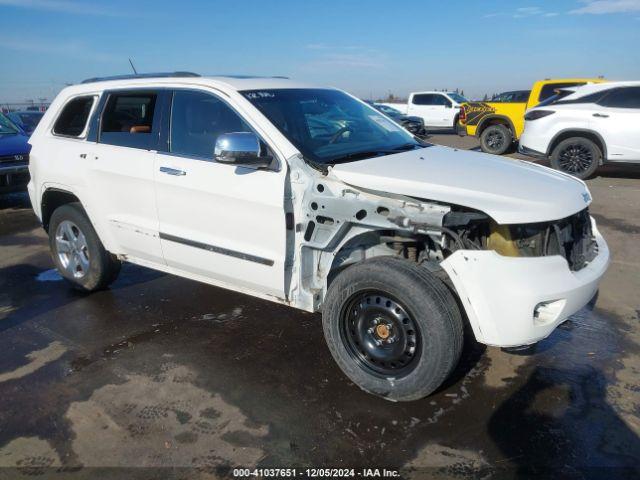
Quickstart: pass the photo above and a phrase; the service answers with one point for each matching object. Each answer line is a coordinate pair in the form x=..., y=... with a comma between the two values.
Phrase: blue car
x=14, y=156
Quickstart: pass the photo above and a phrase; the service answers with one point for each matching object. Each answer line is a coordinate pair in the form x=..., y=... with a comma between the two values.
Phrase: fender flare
x=480, y=128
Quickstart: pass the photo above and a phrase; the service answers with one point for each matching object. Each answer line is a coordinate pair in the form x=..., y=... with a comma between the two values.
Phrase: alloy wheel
x=72, y=249
x=495, y=140
x=575, y=159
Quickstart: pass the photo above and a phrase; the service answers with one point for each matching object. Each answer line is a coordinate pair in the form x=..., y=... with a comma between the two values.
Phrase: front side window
x=626, y=97
x=328, y=126
x=128, y=120
x=73, y=118
x=197, y=120
x=441, y=100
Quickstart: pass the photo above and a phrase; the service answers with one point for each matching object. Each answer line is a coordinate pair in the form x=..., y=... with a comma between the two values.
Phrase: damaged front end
x=572, y=237
x=337, y=225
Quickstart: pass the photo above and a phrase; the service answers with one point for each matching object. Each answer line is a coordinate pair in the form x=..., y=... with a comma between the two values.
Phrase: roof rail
x=141, y=75
x=242, y=77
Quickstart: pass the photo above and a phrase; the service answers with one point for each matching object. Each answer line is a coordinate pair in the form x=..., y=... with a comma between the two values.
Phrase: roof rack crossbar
x=141, y=75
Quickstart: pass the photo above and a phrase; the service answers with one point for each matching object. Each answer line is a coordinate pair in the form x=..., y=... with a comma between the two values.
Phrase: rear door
x=618, y=121
x=218, y=221
x=121, y=170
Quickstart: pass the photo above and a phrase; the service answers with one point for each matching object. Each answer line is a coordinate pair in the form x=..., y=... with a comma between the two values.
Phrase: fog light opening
x=547, y=312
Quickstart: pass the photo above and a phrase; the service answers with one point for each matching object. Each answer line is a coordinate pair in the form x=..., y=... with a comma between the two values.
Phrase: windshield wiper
x=362, y=155
x=406, y=147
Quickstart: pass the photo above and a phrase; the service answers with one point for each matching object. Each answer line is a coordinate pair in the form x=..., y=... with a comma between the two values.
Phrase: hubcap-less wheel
x=575, y=159
x=380, y=335
x=495, y=140
x=72, y=249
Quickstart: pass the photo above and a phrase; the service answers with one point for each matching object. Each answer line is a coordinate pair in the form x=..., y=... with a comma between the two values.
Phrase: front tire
x=78, y=252
x=393, y=328
x=577, y=156
x=496, y=139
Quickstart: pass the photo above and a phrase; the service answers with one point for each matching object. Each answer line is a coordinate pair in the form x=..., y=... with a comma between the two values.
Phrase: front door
x=217, y=221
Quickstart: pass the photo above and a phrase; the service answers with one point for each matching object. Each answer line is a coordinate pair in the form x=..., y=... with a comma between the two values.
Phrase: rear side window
x=423, y=99
x=73, y=118
x=128, y=120
x=549, y=89
x=627, y=97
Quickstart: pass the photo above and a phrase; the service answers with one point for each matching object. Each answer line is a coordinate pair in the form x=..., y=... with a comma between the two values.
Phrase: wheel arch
x=581, y=133
x=495, y=120
x=53, y=198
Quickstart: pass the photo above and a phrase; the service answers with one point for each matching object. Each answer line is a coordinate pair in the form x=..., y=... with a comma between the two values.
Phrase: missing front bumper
x=519, y=301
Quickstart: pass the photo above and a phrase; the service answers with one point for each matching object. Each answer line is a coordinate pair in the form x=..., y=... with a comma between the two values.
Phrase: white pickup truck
x=437, y=109
x=309, y=197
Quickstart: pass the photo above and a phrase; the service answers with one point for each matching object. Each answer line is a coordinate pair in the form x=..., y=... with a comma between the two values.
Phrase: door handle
x=83, y=155
x=173, y=171
x=600, y=115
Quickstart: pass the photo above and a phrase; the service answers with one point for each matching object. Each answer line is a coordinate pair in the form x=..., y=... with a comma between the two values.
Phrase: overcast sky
x=368, y=47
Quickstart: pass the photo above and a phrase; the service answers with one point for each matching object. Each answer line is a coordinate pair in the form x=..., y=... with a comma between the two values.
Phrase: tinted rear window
x=74, y=116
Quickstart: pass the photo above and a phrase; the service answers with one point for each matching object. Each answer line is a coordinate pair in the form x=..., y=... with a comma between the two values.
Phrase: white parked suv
x=581, y=128
x=308, y=197
x=437, y=109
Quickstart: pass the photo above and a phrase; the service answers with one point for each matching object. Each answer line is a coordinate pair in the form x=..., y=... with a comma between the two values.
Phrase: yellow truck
x=499, y=122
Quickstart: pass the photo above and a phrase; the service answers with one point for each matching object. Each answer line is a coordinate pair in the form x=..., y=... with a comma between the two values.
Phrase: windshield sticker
x=257, y=95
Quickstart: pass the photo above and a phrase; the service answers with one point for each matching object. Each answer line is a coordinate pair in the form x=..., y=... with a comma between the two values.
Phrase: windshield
x=329, y=126
x=28, y=119
x=457, y=97
x=6, y=126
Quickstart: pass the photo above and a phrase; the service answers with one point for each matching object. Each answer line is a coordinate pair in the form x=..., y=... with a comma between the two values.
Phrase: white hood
x=508, y=190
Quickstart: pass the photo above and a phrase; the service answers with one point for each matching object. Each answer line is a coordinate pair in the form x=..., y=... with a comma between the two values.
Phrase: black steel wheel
x=380, y=334
x=576, y=156
x=392, y=327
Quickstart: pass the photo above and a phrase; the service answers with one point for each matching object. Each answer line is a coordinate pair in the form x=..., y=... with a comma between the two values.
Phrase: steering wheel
x=334, y=138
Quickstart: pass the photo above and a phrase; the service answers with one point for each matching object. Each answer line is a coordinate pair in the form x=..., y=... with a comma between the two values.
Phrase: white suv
x=308, y=197
x=581, y=128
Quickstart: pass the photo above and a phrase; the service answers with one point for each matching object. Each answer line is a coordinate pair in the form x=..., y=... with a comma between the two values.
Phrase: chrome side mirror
x=241, y=149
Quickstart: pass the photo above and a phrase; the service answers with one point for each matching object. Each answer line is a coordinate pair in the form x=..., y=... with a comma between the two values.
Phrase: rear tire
x=78, y=252
x=577, y=156
x=496, y=139
x=393, y=328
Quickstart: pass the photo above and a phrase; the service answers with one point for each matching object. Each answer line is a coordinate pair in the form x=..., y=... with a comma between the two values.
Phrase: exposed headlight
x=536, y=114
